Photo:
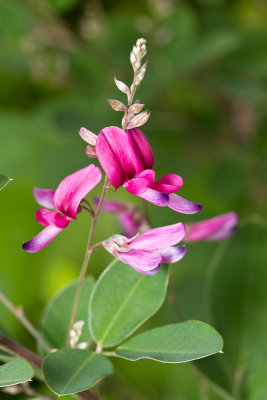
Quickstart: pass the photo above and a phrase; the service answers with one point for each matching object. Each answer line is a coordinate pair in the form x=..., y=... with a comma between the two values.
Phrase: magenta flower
x=65, y=200
x=213, y=229
x=146, y=252
x=127, y=160
x=129, y=216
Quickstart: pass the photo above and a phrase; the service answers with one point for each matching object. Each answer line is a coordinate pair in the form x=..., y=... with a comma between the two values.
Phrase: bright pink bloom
x=146, y=252
x=127, y=159
x=213, y=229
x=65, y=200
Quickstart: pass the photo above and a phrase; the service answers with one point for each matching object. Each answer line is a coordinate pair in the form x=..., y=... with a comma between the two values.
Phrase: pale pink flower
x=213, y=229
x=146, y=252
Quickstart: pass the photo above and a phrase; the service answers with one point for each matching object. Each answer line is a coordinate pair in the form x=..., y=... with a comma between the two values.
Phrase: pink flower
x=127, y=160
x=146, y=252
x=213, y=229
x=130, y=217
x=65, y=200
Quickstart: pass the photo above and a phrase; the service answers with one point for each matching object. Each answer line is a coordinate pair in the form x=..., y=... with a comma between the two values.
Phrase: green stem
x=88, y=252
x=19, y=314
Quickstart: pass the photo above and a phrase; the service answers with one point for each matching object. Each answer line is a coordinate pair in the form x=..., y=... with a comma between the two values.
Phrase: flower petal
x=142, y=261
x=74, y=188
x=45, y=197
x=159, y=238
x=222, y=235
x=168, y=183
x=154, y=197
x=129, y=224
x=40, y=241
x=115, y=155
x=172, y=254
x=112, y=206
x=217, y=228
x=181, y=205
x=144, y=158
x=46, y=217
x=141, y=183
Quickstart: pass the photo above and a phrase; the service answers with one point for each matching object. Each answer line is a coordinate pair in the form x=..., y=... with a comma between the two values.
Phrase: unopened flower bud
x=91, y=151
x=141, y=73
x=141, y=42
x=133, y=58
x=138, y=120
x=82, y=346
x=122, y=87
x=136, y=108
x=117, y=105
x=75, y=333
x=88, y=136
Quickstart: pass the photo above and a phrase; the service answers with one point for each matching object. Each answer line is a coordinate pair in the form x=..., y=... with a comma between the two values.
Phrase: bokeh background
x=206, y=87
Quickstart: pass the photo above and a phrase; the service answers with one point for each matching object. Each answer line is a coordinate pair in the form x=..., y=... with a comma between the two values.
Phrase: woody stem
x=19, y=314
x=87, y=256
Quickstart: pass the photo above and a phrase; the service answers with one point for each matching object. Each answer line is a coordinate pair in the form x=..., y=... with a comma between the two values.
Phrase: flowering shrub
x=96, y=319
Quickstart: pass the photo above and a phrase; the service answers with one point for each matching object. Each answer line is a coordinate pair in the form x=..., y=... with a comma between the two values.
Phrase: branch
x=19, y=314
x=18, y=350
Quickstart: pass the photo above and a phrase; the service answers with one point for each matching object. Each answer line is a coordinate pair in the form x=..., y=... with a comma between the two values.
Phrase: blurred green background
x=206, y=87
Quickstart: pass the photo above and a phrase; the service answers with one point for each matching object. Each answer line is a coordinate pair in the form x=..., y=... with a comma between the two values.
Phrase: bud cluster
x=138, y=53
x=75, y=334
x=130, y=120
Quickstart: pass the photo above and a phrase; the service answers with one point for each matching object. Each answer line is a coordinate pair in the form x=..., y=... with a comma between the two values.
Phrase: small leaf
x=121, y=86
x=122, y=300
x=136, y=108
x=71, y=371
x=15, y=372
x=175, y=343
x=56, y=316
x=117, y=105
x=4, y=180
x=138, y=120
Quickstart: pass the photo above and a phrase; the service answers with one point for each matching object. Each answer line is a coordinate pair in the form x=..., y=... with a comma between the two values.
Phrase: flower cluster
x=127, y=159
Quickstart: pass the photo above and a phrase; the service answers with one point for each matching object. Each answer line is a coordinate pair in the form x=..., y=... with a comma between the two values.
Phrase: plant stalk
x=19, y=314
x=18, y=350
x=88, y=252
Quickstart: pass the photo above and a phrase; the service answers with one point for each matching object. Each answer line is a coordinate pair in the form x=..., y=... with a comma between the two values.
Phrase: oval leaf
x=175, y=343
x=56, y=316
x=4, y=180
x=15, y=372
x=122, y=300
x=71, y=371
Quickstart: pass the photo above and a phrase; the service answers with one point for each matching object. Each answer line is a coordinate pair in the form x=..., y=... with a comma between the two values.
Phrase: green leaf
x=56, y=317
x=122, y=300
x=15, y=372
x=71, y=371
x=4, y=180
x=175, y=343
